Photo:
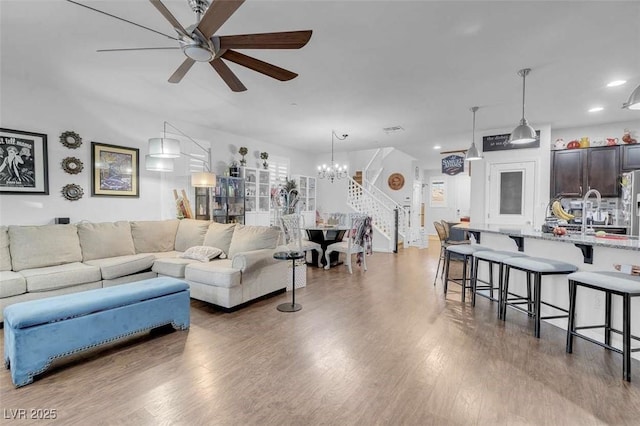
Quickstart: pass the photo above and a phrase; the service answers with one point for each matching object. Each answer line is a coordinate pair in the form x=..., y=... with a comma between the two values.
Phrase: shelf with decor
x=257, y=196
x=228, y=200
x=307, y=198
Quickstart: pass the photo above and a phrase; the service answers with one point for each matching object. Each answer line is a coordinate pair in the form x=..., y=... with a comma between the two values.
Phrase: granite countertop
x=614, y=241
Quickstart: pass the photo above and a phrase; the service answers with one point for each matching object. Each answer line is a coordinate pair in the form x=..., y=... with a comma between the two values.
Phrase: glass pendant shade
x=634, y=100
x=523, y=133
x=203, y=180
x=164, y=147
x=158, y=164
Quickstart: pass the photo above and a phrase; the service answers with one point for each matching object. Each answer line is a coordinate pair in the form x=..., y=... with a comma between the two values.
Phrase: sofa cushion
x=173, y=267
x=248, y=238
x=219, y=235
x=151, y=236
x=115, y=267
x=5, y=254
x=109, y=239
x=11, y=284
x=190, y=233
x=41, y=246
x=217, y=274
x=165, y=254
x=60, y=276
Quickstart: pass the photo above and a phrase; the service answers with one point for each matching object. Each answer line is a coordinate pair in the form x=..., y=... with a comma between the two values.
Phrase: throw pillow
x=201, y=253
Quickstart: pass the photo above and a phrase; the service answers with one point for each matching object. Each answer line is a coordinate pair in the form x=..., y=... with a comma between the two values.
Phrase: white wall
x=458, y=198
x=542, y=157
x=29, y=107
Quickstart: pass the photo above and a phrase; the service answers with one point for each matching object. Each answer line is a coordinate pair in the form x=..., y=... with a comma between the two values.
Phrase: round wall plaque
x=72, y=165
x=72, y=192
x=396, y=181
x=70, y=139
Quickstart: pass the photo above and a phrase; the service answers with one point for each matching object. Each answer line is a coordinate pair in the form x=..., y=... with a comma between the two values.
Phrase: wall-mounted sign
x=501, y=143
x=453, y=164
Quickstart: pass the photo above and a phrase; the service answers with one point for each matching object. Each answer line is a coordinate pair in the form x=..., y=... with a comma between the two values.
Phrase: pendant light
x=164, y=147
x=472, y=153
x=523, y=133
x=634, y=100
x=158, y=164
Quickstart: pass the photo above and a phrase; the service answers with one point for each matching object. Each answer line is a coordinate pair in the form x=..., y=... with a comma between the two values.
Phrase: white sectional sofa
x=43, y=261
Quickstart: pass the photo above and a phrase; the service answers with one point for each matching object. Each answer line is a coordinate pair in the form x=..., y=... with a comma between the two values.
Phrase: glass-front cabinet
x=258, y=196
x=228, y=200
x=307, y=193
x=203, y=206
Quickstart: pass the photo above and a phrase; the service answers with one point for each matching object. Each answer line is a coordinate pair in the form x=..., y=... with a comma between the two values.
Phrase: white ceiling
x=369, y=65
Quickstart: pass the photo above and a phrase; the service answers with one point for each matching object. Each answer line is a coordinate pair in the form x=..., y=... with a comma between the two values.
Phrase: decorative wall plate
x=72, y=165
x=72, y=192
x=70, y=139
x=396, y=181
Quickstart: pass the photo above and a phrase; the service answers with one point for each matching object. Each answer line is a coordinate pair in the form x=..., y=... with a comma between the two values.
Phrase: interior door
x=512, y=189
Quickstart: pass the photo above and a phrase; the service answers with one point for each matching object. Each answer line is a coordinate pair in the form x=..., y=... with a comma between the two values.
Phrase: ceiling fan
x=200, y=44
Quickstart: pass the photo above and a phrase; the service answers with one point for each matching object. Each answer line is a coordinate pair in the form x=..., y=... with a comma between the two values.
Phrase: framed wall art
x=115, y=171
x=23, y=162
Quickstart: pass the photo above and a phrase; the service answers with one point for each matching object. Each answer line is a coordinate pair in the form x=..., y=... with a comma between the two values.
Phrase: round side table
x=292, y=256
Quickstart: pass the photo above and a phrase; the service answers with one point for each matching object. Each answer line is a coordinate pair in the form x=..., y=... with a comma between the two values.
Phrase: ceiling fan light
x=157, y=164
x=522, y=134
x=198, y=53
x=203, y=180
x=634, y=100
x=164, y=147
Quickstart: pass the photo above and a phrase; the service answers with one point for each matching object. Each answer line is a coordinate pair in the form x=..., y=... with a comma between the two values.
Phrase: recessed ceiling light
x=596, y=109
x=437, y=147
x=616, y=83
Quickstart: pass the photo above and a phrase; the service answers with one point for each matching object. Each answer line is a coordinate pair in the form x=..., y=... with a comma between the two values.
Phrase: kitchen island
x=588, y=253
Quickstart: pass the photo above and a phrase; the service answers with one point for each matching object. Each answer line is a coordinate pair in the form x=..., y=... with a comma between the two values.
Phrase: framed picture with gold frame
x=115, y=171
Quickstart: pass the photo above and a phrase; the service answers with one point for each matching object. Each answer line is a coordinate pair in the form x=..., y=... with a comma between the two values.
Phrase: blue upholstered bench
x=39, y=331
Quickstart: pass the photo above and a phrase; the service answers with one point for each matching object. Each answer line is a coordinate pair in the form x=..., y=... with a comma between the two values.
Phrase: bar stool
x=492, y=257
x=617, y=283
x=466, y=251
x=536, y=267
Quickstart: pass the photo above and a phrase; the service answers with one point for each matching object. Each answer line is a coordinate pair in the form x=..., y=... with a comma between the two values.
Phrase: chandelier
x=334, y=171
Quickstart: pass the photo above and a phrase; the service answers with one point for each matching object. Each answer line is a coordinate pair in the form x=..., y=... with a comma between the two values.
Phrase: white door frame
x=531, y=192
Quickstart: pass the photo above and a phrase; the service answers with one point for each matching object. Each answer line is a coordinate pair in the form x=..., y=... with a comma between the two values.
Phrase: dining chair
x=358, y=242
x=292, y=229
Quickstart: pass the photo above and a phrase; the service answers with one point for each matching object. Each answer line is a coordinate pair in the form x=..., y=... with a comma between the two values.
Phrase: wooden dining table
x=325, y=236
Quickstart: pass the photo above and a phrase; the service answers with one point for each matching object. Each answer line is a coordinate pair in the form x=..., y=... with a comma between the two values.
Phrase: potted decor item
x=243, y=151
x=264, y=156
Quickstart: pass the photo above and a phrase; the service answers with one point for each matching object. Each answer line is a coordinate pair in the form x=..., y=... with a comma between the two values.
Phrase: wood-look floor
x=382, y=347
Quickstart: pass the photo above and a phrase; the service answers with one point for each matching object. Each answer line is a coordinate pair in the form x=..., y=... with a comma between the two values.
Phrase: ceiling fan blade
x=168, y=16
x=181, y=71
x=122, y=19
x=227, y=75
x=137, y=48
x=216, y=15
x=281, y=40
x=259, y=66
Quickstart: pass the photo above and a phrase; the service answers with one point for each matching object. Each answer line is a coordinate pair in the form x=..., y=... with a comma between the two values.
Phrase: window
x=279, y=170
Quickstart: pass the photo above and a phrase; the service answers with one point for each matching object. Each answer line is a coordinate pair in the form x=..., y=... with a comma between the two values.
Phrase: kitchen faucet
x=583, y=227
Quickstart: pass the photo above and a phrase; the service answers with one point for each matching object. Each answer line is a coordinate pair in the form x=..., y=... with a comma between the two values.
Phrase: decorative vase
x=243, y=162
x=265, y=164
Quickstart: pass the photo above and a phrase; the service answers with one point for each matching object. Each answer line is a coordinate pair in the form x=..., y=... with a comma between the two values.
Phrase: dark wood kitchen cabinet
x=567, y=172
x=630, y=157
x=574, y=172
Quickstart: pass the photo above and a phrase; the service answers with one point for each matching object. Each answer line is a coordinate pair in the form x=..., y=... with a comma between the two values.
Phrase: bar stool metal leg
x=537, y=304
x=447, y=261
x=571, y=327
x=626, y=337
x=607, y=318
